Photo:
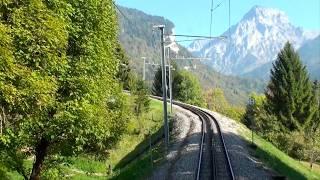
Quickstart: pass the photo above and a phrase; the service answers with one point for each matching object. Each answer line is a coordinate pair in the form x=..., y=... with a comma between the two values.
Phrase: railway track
x=213, y=160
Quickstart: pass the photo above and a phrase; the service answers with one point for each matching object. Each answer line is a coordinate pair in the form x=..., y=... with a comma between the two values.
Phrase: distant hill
x=310, y=55
x=254, y=43
x=139, y=40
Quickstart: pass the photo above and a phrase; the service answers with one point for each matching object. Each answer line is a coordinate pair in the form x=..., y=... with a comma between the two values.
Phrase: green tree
x=157, y=80
x=312, y=133
x=157, y=83
x=186, y=88
x=141, y=100
x=58, y=87
x=216, y=100
x=256, y=116
x=289, y=92
x=124, y=71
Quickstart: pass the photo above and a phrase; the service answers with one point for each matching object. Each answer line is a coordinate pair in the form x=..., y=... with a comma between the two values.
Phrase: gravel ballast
x=181, y=160
x=245, y=166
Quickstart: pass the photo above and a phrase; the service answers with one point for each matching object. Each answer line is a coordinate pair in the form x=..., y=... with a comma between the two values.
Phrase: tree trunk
x=311, y=159
x=41, y=152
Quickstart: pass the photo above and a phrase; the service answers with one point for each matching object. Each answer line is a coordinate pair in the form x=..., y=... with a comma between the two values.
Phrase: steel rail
x=230, y=169
x=203, y=115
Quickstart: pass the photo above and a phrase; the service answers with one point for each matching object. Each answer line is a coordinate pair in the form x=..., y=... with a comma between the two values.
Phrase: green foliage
x=124, y=71
x=186, y=88
x=138, y=39
x=142, y=100
x=216, y=101
x=58, y=91
x=288, y=114
x=258, y=119
x=157, y=83
x=278, y=160
x=289, y=92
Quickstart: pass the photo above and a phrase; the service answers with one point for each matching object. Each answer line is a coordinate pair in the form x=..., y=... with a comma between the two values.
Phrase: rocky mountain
x=253, y=43
x=139, y=40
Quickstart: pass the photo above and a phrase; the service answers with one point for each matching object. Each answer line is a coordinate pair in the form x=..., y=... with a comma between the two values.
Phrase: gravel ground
x=181, y=161
x=245, y=166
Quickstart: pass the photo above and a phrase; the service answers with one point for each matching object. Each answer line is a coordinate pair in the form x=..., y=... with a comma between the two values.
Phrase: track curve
x=213, y=158
x=214, y=161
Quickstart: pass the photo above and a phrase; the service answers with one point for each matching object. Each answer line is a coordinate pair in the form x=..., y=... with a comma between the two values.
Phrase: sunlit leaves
x=57, y=72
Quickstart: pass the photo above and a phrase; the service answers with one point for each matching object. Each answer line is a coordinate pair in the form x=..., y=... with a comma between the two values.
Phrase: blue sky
x=193, y=16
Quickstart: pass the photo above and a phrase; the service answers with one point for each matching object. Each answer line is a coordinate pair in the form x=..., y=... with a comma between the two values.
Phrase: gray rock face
x=251, y=43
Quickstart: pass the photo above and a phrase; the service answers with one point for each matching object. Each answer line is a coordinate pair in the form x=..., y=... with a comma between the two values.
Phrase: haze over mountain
x=254, y=43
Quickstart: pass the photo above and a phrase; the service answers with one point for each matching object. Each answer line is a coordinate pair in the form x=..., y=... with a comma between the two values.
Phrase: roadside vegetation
x=287, y=115
x=63, y=112
x=62, y=109
x=279, y=160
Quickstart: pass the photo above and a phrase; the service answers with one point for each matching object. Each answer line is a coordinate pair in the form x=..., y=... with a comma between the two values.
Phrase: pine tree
x=289, y=92
x=157, y=80
x=157, y=83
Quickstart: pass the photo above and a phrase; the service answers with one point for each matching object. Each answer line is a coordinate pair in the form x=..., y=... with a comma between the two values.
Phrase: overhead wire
x=211, y=17
x=229, y=20
x=121, y=12
x=194, y=36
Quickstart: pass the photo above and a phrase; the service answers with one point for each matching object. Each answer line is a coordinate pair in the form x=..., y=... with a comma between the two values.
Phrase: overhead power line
x=186, y=40
x=120, y=11
x=211, y=17
x=229, y=20
x=196, y=36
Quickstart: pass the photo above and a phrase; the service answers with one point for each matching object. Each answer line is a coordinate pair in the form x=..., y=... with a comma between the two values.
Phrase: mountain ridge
x=138, y=39
x=255, y=41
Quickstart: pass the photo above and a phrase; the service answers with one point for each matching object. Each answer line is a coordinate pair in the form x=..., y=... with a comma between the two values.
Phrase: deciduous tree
x=58, y=87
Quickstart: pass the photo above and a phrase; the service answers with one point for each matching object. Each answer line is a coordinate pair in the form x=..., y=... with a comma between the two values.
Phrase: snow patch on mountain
x=173, y=45
x=254, y=41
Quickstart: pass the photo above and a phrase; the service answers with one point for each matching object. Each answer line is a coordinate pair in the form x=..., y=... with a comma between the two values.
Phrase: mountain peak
x=266, y=15
x=253, y=42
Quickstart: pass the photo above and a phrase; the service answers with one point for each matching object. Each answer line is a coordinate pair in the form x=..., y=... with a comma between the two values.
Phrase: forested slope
x=139, y=40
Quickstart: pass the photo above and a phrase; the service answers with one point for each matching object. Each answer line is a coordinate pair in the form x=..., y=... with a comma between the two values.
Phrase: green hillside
x=139, y=40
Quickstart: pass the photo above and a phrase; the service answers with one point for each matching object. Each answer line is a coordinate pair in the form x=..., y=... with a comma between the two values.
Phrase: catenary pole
x=164, y=87
x=170, y=80
x=144, y=68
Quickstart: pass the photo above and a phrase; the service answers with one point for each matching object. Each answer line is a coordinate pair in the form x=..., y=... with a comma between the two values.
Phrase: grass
x=278, y=160
x=88, y=164
x=141, y=167
x=87, y=167
x=151, y=121
x=316, y=167
x=136, y=135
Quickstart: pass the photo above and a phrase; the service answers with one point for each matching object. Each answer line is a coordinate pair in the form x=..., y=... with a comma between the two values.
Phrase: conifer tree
x=289, y=92
x=157, y=83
